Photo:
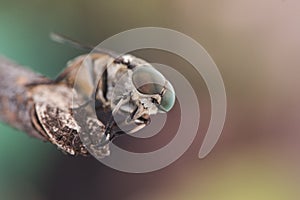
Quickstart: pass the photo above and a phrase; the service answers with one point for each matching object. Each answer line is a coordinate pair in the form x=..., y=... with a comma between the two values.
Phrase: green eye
x=148, y=80
x=168, y=99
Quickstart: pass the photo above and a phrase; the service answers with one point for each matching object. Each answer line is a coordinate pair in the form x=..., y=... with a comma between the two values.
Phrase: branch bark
x=15, y=103
x=44, y=109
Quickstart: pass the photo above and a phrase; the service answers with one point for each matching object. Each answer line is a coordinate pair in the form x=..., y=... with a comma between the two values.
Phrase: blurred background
x=256, y=46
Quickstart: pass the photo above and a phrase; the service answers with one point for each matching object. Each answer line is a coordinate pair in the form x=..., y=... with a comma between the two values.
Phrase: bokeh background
x=256, y=46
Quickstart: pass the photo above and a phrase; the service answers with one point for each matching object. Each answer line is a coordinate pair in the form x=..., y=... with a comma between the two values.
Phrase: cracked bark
x=43, y=109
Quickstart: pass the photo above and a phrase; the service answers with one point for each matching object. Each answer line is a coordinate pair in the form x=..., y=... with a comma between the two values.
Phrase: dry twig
x=43, y=109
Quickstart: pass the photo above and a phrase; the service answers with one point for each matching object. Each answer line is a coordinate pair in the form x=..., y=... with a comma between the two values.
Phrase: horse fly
x=120, y=93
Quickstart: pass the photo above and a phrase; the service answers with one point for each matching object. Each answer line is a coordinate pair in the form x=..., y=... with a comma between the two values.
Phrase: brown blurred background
x=256, y=46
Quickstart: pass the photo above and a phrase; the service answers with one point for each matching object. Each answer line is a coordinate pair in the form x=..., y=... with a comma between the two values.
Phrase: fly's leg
x=110, y=135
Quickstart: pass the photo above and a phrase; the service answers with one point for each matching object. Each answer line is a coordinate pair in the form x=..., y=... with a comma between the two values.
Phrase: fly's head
x=140, y=93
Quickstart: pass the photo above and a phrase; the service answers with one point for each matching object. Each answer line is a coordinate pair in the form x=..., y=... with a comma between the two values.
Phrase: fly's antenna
x=62, y=39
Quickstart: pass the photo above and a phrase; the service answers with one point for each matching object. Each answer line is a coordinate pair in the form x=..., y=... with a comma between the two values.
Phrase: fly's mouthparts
x=145, y=119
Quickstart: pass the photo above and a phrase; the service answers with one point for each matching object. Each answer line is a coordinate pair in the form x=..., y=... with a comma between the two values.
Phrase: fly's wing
x=59, y=38
x=84, y=72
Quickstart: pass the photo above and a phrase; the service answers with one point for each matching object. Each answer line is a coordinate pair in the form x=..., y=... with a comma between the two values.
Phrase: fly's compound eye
x=149, y=81
x=167, y=98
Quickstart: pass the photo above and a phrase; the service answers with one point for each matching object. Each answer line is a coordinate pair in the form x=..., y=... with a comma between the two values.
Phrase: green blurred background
x=256, y=46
